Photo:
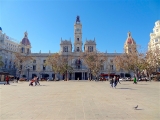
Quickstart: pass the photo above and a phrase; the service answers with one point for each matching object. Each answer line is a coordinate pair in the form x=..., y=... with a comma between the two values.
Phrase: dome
x=25, y=41
x=0, y=28
x=130, y=40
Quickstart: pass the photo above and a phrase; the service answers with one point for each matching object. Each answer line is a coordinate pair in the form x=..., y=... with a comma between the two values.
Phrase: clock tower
x=78, y=35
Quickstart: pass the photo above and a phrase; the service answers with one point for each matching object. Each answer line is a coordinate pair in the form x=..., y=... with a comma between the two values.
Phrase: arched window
x=77, y=49
x=22, y=50
x=27, y=50
x=65, y=49
x=78, y=64
x=90, y=48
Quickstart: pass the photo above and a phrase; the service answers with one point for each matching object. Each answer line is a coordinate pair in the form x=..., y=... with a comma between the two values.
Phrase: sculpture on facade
x=77, y=19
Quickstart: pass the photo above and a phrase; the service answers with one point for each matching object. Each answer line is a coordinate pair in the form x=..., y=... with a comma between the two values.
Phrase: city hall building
x=36, y=66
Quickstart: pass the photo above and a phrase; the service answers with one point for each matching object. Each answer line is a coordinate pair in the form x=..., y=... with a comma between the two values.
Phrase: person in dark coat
x=118, y=80
x=111, y=82
x=38, y=81
x=115, y=81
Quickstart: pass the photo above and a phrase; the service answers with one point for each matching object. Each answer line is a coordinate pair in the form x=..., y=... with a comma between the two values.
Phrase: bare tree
x=94, y=61
x=152, y=61
x=131, y=61
x=20, y=60
x=54, y=61
x=65, y=68
x=59, y=64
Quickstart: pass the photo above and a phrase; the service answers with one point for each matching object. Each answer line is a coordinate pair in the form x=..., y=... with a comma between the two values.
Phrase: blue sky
x=46, y=21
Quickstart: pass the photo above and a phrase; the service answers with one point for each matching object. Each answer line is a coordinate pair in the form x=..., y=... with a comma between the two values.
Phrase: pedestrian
x=134, y=81
x=118, y=80
x=31, y=82
x=17, y=79
x=35, y=80
x=111, y=82
x=38, y=80
x=115, y=81
x=7, y=80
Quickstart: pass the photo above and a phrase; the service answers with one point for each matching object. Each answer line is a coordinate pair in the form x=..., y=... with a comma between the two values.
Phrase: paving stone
x=80, y=100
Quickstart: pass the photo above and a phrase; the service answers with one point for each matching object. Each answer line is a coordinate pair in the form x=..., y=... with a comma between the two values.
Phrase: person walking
x=111, y=82
x=134, y=81
x=35, y=80
x=118, y=80
x=17, y=79
x=38, y=81
x=115, y=81
x=7, y=80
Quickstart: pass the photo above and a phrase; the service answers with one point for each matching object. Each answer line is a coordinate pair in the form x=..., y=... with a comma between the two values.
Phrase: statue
x=26, y=34
x=77, y=19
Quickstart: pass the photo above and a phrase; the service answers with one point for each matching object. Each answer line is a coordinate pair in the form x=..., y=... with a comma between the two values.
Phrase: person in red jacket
x=7, y=80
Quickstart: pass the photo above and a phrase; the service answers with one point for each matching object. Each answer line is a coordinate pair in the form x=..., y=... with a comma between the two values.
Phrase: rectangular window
x=156, y=40
x=44, y=67
x=34, y=61
x=21, y=67
x=111, y=67
x=34, y=67
x=77, y=39
x=65, y=49
x=77, y=49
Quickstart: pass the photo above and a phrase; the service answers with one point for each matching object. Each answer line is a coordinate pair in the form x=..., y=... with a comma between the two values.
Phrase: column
x=73, y=75
x=87, y=75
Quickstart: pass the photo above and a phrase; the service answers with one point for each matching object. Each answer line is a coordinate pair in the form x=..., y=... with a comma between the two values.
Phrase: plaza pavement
x=80, y=100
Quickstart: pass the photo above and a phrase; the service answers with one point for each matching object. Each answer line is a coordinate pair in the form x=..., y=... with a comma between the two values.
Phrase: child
x=31, y=83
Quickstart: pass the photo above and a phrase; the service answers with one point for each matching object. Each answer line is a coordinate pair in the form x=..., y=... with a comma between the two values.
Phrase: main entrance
x=78, y=75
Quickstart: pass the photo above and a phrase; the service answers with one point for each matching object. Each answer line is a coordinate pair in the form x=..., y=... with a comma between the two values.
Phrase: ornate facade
x=36, y=66
x=155, y=37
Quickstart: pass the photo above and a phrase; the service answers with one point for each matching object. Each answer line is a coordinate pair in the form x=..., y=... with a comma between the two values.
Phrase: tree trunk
x=55, y=77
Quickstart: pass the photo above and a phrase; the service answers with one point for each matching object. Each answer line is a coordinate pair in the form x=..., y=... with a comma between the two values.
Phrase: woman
x=7, y=80
x=135, y=81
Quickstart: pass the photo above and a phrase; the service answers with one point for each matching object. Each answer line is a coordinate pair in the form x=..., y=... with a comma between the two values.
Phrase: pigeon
x=136, y=107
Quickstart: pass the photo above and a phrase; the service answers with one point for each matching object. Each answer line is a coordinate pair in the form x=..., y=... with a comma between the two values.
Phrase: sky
x=108, y=21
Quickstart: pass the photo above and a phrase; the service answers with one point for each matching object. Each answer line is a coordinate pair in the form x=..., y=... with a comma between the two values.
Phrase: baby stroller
x=31, y=83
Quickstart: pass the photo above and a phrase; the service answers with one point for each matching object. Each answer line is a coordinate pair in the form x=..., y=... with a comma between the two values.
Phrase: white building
x=155, y=37
x=37, y=67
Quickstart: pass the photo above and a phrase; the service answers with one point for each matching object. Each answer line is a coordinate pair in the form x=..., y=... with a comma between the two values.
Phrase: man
x=115, y=81
x=7, y=80
x=17, y=79
x=118, y=80
x=111, y=82
x=38, y=80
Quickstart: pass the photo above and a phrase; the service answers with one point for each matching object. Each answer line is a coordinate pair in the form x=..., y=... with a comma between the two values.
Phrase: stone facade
x=36, y=66
x=155, y=37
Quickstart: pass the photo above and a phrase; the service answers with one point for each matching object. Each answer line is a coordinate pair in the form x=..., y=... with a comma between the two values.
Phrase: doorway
x=78, y=75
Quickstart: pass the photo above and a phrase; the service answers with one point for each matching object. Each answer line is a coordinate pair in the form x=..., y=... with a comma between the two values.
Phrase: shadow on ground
x=142, y=84
x=126, y=88
x=139, y=109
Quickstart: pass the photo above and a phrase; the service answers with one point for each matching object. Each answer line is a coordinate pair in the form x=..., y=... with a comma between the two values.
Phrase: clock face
x=77, y=29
